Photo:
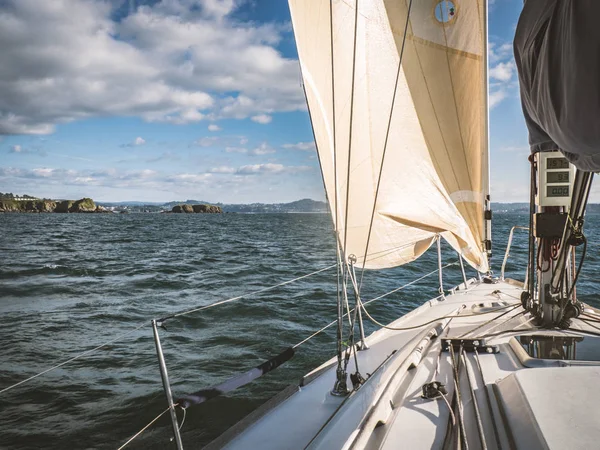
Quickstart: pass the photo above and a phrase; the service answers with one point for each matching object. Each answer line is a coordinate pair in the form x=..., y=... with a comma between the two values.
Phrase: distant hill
x=300, y=206
x=592, y=208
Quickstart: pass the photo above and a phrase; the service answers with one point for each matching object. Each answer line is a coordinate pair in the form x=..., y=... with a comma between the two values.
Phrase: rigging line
x=489, y=401
x=514, y=330
x=145, y=428
x=461, y=419
x=85, y=353
x=449, y=409
x=475, y=404
x=387, y=134
x=366, y=303
x=520, y=313
x=182, y=420
x=490, y=321
x=460, y=130
x=356, y=314
x=456, y=316
x=258, y=291
x=335, y=183
x=589, y=318
x=340, y=330
x=352, y=320
x=350, y=132
x=589, y=322
x=510, y=295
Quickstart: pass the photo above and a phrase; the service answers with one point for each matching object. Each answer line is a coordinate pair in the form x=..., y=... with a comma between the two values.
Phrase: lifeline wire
x=121, y=336
x=87, y=352
x=222, y=302
x=145, y=428
x=370, y=301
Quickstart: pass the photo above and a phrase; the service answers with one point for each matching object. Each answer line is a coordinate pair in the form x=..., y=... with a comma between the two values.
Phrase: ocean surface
x=71, y=282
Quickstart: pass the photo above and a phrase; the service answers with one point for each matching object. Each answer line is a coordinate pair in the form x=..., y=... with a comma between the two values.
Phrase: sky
x=161, y=100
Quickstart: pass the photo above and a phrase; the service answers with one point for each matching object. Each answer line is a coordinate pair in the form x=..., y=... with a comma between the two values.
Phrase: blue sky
x=176, y=99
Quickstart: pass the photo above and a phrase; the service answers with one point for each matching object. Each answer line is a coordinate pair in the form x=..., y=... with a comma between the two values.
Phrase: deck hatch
x=572, y=348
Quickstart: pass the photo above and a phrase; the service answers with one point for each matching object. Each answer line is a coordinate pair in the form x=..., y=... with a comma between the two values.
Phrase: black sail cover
x=557, y=51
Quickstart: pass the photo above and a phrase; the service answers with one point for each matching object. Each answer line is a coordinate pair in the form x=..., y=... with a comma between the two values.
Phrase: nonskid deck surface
x=388, y=411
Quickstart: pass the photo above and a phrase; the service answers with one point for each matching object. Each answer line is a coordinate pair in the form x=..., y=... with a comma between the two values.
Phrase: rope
x=350, y=133
x=145, y=428
x=492, y=320
x=87, y=352
x=182, y=420
x=431, y=321
x=222, y=302
x=366, y=303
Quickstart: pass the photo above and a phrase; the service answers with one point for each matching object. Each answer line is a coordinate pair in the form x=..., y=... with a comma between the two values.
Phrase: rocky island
x=202, y=209
x=84, y=205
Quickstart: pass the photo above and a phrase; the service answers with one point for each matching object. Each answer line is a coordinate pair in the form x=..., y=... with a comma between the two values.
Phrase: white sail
x=434, y=177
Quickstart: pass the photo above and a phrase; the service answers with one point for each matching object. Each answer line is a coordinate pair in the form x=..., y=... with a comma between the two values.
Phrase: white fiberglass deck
x=388, y=412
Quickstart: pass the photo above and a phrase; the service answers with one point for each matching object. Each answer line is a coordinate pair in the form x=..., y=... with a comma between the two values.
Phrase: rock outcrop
x=199, y=209
x=64, y=206
x=39, y=206
x=9, y=206
x=207, y=209
x=86, y=205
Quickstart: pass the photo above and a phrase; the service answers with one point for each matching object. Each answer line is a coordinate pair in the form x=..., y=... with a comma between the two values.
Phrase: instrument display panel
x=558, y=177
x=557, y=163
x=557, y=191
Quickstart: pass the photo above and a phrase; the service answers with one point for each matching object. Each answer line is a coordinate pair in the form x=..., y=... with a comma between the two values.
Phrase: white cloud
x=500, y=52
x=262, y=118
x=256, y=169
x=43, y=172
x=189, y=178
x=261, y=168
x=308, y=146
x=270, y=168
x=262, y=149
x=214, y=127
x=496, y=97
x=222, y=169
x=139, y=141
x=170, y=61
x=16, y=149
x=503, y=71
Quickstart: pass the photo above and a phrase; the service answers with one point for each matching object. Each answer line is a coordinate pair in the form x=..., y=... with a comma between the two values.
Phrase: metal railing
x=507, y=253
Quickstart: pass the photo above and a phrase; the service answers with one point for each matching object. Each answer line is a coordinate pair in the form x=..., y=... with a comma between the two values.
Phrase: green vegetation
x=84, y=205
x=209, y=209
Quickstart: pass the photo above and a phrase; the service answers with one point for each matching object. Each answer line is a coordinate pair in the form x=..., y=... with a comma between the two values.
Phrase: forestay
x=427, y=122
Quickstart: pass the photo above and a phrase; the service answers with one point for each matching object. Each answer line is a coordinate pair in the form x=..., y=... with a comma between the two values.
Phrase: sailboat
x=397, y=93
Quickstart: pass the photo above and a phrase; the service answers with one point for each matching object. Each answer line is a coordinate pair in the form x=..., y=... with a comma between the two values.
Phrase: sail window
x=445, y=11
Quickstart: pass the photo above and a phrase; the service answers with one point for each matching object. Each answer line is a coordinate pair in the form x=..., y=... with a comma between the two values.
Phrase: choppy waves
x=71, y=282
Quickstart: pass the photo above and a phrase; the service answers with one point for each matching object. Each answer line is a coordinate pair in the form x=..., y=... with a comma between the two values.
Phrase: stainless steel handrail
x=507, y=254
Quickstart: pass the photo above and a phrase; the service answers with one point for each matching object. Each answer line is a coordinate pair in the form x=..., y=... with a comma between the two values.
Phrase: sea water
x=71, y=282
